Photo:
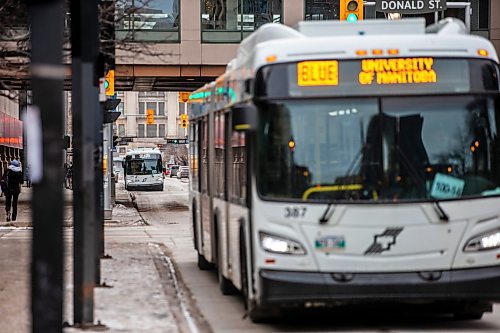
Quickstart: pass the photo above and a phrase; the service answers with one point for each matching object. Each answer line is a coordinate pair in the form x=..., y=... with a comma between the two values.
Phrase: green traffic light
x=106, y=84
x=352, y=17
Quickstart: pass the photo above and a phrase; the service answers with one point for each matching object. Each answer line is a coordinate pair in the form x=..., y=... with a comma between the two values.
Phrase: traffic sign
x=150, y=117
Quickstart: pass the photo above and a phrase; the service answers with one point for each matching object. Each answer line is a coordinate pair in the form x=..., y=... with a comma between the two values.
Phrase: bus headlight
x=486, y=241
x=276, y=244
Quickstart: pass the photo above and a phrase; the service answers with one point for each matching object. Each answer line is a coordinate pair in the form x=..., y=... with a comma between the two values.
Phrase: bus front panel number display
x=397, y=71
x=318, y=73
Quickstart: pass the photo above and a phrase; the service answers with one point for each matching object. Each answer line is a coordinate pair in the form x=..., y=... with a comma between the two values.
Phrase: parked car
x=173, y=170
x=183, y=172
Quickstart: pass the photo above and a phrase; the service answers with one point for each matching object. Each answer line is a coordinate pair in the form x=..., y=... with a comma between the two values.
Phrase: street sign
x=150, y=116
x=184, y=96
x=109, y=83
x=177, y=141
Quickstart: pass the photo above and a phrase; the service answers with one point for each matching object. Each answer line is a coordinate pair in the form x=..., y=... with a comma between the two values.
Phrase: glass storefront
x=477, y=10
x=148, y=20
x=229, y=21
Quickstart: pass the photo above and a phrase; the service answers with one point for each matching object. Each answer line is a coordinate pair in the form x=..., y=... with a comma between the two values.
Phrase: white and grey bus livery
x=143, y=170
x=345, y=162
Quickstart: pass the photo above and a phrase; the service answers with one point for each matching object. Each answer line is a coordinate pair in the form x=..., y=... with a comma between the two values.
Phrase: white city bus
x=143, y=170
x=344, y=162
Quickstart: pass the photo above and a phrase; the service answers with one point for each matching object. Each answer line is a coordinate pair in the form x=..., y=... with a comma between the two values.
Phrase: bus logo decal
x=384, y=241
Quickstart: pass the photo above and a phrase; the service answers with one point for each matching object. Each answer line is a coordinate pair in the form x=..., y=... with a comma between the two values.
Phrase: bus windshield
x=379, y=149
x=143, y=167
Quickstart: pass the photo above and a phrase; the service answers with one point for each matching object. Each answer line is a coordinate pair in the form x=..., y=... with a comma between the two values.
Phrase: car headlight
x=487, y=241
x=276, y=244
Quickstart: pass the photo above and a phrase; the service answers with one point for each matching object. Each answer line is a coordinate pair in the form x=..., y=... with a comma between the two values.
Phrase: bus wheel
x=203, y=264
x=468, y=315
x=255, y=312
x=471, y=311
x=225, y=285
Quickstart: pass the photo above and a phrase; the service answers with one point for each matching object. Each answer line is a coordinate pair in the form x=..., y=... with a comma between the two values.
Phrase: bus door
x=205, y=202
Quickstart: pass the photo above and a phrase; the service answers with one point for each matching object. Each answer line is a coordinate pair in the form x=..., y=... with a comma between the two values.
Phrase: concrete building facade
x=189, y=42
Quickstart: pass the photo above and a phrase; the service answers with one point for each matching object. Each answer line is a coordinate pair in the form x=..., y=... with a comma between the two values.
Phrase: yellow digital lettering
x=428, y=63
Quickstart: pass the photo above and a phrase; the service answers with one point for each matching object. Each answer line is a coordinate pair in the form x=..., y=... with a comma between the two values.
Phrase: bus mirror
x=244, y=117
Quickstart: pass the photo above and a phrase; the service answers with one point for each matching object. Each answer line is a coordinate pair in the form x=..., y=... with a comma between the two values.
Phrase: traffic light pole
x=85, y=107
x=45, y=122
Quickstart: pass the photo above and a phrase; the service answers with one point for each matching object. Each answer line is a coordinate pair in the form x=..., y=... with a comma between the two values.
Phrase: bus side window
x=204, y=155
x=239, y=169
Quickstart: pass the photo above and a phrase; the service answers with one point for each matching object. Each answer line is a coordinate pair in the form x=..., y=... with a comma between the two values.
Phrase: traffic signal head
x=109, y=83
x=150, y=116
x=184, y=120
x=351, y=10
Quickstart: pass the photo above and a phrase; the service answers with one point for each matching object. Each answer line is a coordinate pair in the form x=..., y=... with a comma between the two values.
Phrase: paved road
x=169, y=224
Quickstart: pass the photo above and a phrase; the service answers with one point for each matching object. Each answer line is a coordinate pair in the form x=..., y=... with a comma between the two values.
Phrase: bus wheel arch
x=256, y=312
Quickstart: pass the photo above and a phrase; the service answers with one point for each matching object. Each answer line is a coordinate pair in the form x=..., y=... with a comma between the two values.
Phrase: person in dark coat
x=14, y=179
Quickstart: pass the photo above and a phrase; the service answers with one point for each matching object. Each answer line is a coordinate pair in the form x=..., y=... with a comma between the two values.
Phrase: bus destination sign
x=318, y=73
x=397, y=71
x=410, y=6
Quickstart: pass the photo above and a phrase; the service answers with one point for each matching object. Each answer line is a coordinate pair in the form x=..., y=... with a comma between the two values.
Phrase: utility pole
x=46, y=119
x=109, y=56
x=86, y=108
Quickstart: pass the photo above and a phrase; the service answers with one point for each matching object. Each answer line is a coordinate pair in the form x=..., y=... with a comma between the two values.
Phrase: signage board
x=410, y=6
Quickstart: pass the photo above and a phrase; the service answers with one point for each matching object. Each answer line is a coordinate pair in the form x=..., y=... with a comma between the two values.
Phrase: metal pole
x=85, y=95
x=47, y=26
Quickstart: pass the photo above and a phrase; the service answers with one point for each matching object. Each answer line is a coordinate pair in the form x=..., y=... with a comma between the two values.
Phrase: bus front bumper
x=479, y=284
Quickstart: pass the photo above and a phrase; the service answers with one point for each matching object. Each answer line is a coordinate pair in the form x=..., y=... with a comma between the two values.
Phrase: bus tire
x=473, y=311
x=255, y=312
x=203, y=263
x=468, y=315
x=225, y=285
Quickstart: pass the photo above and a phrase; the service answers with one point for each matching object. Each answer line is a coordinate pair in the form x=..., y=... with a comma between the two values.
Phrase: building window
x=161, y=108
x=121, y=129
x=161, y=130
x=232, y=20
x=322, y=10
x=151, y=20
x=121, y=109
x=140, y=131
x=151, y=131
x=157, y=107
x=151, y=106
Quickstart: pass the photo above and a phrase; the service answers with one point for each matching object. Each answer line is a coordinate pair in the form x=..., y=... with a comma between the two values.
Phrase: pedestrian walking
x=11, y=187
x=27, y=176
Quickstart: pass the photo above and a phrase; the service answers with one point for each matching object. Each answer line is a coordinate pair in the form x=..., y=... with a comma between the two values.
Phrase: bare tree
x=128, y=16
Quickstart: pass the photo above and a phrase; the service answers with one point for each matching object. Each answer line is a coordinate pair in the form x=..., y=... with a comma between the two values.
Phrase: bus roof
x=143, y=151
x=277, y=43
x=342, y=40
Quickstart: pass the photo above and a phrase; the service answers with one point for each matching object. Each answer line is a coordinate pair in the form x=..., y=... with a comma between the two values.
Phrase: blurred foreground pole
x=46, y=119
x=85, y=104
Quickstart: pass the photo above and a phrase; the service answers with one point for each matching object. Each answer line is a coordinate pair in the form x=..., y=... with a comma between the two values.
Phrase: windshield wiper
x=327, y=214
x=441, y=213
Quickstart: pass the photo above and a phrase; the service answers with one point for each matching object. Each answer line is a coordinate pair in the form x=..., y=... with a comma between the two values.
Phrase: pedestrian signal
x=109, y=83
x=184, y=120
x=351, y=10
x=150, y=117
